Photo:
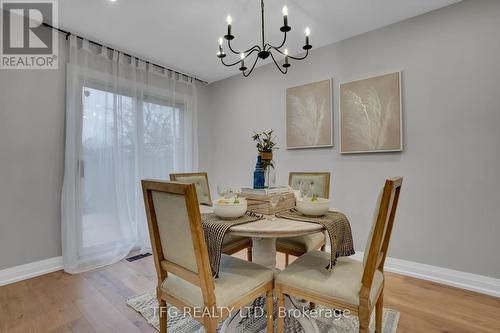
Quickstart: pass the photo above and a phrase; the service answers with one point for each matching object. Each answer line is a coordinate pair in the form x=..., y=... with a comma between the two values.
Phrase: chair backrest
x=380, y=235
x=176, y=233
x=200, y=180
x=320, y=182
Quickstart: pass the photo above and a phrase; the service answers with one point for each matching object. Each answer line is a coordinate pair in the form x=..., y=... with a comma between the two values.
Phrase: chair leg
x=162, y=309
x=281, y=317
x=270, y=310
x=210, y=325
x=287, y=259
x=379, y=310
x=364, y=320
x=249, y=253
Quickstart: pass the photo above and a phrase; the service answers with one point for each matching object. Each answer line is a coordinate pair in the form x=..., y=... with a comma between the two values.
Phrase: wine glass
x=222, y=190
x=274, y=200
x=229, y=193
x=271, y=178
x=309, y=190
x=303, y=189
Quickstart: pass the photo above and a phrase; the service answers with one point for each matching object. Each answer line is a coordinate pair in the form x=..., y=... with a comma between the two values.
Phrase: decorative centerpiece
x=265, y=143
x=268, y=201
x=312, y=206
x=230, y=208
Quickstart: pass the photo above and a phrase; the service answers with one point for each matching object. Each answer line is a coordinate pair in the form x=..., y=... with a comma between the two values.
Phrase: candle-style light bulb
x=286, y=64
x=221, y=52
x=285, y=16
x=242, y=62
x=307, y=46
x=229, y=20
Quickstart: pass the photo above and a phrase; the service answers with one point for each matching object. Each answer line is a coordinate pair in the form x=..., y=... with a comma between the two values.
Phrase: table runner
x=338, y=228
x=215, y=228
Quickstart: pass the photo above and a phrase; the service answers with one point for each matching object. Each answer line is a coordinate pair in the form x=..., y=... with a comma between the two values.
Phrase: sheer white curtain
x=125, y=120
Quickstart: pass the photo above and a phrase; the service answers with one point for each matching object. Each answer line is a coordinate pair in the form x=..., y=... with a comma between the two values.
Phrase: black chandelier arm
x=253, y=48
x=238, y=61
x=291, y=57
x=276, y=63
x=276, y=47
x=229, y=65
x=251, y=69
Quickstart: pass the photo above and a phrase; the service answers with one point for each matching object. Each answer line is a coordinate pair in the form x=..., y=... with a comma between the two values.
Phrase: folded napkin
x=215, y=229
x=338, y=228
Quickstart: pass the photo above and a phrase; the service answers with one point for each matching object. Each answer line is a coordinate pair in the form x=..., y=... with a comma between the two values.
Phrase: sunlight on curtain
x=125, y=121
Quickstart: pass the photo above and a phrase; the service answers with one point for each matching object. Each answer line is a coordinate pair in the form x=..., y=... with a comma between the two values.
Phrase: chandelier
x=264, y=51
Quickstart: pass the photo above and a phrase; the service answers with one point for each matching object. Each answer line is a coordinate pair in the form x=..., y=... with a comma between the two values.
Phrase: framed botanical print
x=309, y=116
x=371, y=115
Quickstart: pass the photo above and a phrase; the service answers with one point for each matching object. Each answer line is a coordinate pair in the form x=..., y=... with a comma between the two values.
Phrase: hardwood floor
x=95, y=302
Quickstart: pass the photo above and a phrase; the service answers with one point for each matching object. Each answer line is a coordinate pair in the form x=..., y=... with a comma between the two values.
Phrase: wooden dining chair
x=297, y=246
x=182, y=264
x=232, y=244
x=353, y=285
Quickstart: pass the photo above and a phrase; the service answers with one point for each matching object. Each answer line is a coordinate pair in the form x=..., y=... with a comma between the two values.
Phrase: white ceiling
x=183, y=34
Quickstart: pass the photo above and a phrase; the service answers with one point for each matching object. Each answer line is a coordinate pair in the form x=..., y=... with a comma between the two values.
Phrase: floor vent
x=137, y=257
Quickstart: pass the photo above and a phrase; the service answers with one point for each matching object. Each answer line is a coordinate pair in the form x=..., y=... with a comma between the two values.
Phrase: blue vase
x=258, y=175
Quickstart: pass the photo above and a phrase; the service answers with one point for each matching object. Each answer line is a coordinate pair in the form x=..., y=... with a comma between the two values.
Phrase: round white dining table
x=264, y=233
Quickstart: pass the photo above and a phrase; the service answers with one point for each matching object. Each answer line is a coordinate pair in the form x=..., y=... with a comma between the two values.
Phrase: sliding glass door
x=126, y=120
x=124, y=140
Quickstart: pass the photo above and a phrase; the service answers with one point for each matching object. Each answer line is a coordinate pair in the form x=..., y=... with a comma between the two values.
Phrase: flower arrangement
x=266, y=144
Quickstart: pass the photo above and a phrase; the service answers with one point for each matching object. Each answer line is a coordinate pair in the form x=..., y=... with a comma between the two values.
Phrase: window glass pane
x=163, y=139
x=108, y=141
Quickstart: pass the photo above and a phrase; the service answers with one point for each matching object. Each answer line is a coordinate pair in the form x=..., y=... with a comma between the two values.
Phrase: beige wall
x=449, y=214
x=32, y=106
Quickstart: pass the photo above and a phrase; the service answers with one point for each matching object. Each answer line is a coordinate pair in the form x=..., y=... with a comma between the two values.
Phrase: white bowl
x=318, y=207
x=227, y=208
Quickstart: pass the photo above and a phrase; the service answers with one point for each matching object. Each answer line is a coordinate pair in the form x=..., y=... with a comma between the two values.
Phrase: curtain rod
x=68, y=33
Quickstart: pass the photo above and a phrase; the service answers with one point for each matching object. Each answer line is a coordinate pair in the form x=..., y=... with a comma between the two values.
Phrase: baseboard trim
x=468, y=281
x=473, y=282
x=27, y=271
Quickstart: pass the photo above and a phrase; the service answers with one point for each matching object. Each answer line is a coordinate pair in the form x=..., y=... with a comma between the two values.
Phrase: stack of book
x=259, y=201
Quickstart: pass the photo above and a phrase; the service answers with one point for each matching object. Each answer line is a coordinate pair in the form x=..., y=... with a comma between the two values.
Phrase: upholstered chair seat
x=301, y=244
x=236, y=278
x=233, y=244
x=342, y=283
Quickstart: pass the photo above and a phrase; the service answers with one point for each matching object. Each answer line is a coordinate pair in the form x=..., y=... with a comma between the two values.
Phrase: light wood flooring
x=95, y=302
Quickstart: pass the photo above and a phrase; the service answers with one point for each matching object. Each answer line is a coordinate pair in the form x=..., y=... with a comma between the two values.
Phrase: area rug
x=147, y=305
